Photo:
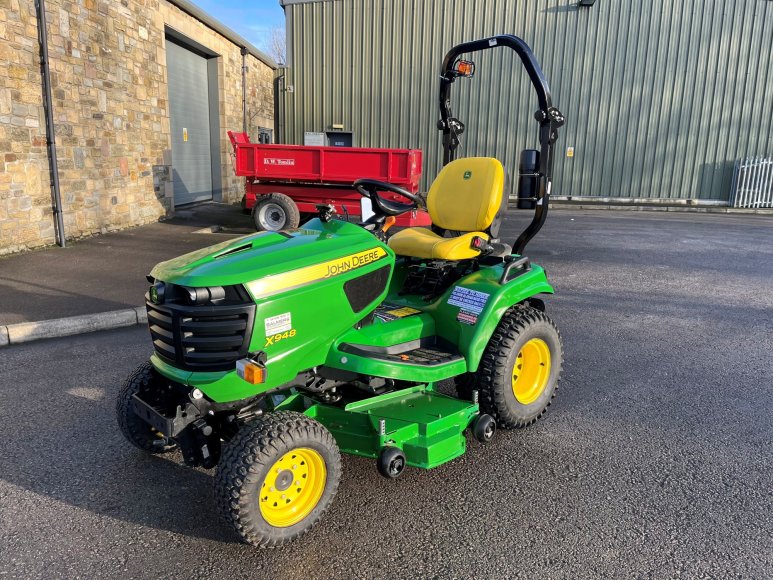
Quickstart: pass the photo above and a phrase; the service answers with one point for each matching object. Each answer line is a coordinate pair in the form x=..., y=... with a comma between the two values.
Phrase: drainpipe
x=50, y=130
x=279, y=82
x=244, y=89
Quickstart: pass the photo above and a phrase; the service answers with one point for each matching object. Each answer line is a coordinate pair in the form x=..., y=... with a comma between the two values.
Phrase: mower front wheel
x=277, y=477
x=520, y=368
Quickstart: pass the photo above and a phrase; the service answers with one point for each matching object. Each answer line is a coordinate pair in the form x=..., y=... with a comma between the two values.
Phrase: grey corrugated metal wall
x=661, y=96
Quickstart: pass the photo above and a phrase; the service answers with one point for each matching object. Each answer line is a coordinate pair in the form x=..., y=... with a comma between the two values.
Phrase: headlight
x=157, y=292
x=204, y=295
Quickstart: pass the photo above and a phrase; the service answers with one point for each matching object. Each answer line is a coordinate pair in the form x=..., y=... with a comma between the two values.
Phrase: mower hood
x=264, y=254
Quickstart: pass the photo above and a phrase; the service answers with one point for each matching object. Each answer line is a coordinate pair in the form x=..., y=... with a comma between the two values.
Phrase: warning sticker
x=469, y=300
x=467, y=317
x=403, y=312
x=387, y=312
x=278, y=323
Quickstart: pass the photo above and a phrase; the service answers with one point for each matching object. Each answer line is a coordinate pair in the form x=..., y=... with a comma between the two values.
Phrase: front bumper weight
x=167, y=426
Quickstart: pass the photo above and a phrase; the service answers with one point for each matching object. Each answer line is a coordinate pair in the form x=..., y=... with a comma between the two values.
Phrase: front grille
x=210, y=337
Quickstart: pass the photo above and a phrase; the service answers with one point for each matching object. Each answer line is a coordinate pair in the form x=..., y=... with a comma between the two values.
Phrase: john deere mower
x=275, y=352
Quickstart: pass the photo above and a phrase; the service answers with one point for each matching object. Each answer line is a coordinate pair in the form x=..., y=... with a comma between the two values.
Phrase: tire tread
x=286, y=203
x=493, y=371
x=257, y=445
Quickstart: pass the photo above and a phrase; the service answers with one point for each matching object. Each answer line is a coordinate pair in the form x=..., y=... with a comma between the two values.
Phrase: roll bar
x=548, y=117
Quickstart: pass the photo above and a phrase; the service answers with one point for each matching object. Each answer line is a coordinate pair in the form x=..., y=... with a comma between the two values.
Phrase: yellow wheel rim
x=293, y=487
x=531, y=371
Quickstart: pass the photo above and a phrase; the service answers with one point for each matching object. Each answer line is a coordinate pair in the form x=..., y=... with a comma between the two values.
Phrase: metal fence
x=753, y=183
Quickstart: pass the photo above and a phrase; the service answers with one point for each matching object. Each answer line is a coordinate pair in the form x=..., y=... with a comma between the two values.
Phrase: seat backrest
x=467, y=194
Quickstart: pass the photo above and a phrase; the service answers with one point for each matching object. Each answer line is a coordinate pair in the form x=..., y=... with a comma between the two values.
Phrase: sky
x=252, y=19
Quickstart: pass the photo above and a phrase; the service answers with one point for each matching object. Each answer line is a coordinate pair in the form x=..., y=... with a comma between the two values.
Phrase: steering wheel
x=370, y=187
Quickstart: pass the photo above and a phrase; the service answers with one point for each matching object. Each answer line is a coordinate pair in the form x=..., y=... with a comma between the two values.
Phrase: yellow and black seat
x=465, y=197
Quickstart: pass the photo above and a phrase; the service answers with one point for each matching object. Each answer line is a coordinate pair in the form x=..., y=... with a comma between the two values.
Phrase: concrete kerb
x=58, y=327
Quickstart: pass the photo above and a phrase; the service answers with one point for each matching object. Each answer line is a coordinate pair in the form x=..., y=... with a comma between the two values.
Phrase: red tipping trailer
x=284, y=181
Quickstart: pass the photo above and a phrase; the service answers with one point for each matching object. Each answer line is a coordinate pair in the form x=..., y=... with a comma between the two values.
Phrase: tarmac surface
x=655, y=460
x=106, y=272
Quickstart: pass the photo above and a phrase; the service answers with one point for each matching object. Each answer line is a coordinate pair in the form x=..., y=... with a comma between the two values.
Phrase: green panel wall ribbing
x=661, y=97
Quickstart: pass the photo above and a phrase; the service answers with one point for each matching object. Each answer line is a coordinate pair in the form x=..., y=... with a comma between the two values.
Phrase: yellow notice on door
x=185, y=134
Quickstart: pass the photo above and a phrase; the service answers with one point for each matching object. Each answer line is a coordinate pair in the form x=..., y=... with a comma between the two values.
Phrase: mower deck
x=428, y=426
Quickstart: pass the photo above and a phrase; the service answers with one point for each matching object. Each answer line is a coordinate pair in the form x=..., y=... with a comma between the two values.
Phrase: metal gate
x=190, y=124
x=753, y=183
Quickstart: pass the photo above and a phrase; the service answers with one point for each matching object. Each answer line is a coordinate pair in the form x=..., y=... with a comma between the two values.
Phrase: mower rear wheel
x=134, y=429
x=277, y=477
x=275, y=212
x=520, y=368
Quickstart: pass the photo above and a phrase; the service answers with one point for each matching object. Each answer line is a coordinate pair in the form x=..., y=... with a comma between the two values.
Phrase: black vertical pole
x=244, y=89
x=278, y=105
x=50, y=129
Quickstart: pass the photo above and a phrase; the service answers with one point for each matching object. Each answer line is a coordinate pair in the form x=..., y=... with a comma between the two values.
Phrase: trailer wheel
x=275, y=212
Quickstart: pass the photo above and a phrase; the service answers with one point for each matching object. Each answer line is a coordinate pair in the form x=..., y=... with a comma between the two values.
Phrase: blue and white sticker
x=470, y=300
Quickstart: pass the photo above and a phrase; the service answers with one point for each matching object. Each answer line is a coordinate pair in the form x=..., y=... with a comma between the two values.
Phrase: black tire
x=134, y=429
x=275, y=212
x=247, y=461
x=494, y=377
x=484, y=427
x=391, y=462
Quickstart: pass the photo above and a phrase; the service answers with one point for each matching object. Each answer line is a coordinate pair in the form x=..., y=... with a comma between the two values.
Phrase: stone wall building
x=112, y=113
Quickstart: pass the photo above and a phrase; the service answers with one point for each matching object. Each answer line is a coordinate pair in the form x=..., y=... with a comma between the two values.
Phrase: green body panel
x=428, y=426
x=394, y=370
x=302, y=273
x=439, y=318
x=263, y=254
x=380, y=333
x=319, y=308
x=472, y=339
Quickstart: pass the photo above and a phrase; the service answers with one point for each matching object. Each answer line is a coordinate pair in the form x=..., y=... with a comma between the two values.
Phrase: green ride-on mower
x=276, y=351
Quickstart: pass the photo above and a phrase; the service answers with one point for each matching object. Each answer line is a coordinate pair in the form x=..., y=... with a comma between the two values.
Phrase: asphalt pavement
x=655, y=460
x=107, y=272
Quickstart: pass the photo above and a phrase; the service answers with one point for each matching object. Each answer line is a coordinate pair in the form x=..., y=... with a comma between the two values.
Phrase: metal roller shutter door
x=190, y=124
